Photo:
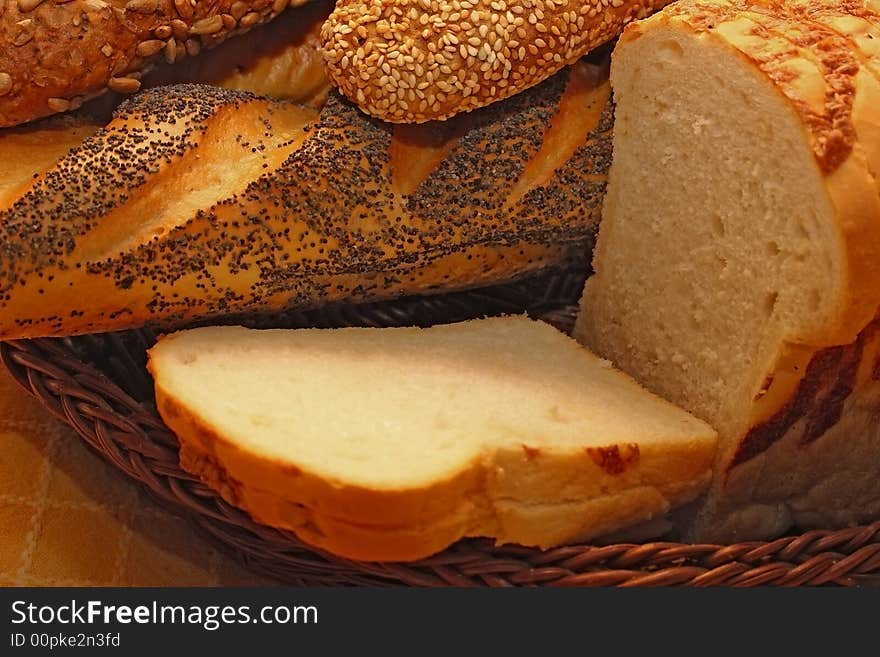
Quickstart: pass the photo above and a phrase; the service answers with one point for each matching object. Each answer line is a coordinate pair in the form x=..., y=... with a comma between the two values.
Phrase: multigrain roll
x=55, y=55
x=196, y=202
x=411, y=61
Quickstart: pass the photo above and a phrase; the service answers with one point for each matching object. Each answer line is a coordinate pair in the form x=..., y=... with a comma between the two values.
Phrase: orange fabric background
x=67, y=518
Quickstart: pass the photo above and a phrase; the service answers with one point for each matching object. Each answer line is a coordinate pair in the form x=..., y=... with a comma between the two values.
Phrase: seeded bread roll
x=195, y=202
x=54, y=56
x=410, y=61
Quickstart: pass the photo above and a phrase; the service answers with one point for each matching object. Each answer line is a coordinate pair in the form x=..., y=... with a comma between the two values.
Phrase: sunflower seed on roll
x=411, y=61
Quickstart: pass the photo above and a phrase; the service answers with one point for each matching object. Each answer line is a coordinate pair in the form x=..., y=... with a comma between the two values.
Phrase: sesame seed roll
x=410, y=61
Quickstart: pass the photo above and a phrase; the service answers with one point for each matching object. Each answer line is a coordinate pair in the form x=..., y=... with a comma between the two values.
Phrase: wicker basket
x=98, y=385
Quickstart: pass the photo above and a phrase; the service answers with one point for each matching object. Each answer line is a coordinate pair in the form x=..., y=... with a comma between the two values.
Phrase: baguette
x=54, y=55
x=164, y=217
x=25, y=150
x=390, y=444
x=738, y=265
x=411, y=61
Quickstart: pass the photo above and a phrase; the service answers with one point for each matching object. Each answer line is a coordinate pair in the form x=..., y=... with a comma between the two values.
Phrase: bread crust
x=469, y=508
x=411, y=61
x=54, y=56
x=511, y=491
x=27, y=149
x=329, y=222
x=808, y=447
x=813, y=463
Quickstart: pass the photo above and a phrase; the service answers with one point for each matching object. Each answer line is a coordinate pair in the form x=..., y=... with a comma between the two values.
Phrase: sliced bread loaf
x=738, y=263
x=391, y=444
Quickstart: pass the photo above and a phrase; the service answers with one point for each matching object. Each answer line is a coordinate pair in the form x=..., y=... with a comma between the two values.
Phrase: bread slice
x=390, y=444
x=738, y=263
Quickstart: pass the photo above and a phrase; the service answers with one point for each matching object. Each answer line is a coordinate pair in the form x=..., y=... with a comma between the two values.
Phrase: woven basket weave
x=98, y=385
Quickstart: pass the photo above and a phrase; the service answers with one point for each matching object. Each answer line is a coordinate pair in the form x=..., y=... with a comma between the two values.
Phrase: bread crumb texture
x=391, y=444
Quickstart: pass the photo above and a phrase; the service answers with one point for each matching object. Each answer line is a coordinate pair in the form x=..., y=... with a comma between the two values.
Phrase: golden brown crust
x=747, y=25
x=500, y=488
x=813, y=463
x=25, y=150
x=323, y=225
x=54, y=56
x=410, y=61
x=829, y=380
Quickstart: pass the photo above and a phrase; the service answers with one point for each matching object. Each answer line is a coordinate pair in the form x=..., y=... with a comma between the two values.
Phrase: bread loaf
x=55, y=55
x=390, y=444
x=410, y=61
x=738, y=264
x=196, y=202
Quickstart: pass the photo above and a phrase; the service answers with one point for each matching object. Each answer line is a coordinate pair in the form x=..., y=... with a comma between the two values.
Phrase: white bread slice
x=391, y=444
x=738, y=263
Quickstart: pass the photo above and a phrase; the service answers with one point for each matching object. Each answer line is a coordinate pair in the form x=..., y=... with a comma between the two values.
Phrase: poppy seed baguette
x=27, y=149
x=196, y=202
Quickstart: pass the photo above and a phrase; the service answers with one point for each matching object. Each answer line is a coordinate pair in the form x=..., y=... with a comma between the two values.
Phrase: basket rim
x=128, y=433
